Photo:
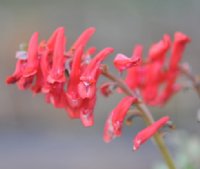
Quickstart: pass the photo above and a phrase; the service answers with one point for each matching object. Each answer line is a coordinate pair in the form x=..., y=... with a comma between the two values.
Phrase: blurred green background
x=36, y=135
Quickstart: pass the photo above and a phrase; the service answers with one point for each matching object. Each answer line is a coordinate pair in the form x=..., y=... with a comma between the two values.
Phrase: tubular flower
x=72, y=95
x=89, y=77
x=86, y=111
x=26, y=67
x=56, y=95
x=32, y=60
x=57, y=73
x=158, y=50
x=122, y=62
x=20, y=66
x=135, y=75
x=52, y=40
x=148, y=132
x=151, y=88
x=113, y=126
x=32, y=64
x=180, y=41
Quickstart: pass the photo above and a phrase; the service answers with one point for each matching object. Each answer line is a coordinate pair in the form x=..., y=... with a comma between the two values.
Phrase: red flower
x=52, y=40
x=20, y=65
x=153, y=79
x=72, y=95
x=135, y=75
x=26, y=68
x=180, y=41
x=158, y=50
x=113, y=126
x=86, y=111
x=56, y=95
x=57, y=73
x=32, y=60
x=148, y=132
x=122, y=62
x=89, y=77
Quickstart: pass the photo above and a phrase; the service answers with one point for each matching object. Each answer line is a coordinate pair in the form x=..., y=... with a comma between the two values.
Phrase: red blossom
x=151, y=88
x=180, y=41
x=52, y=40
x=56, y=95
x=89, y=77
x=57, y=73
x=148, y=132
x=113, y=126
x=158, y=50
x=72, y=95
x=32, y=60
x=20, y=65
x=135, y=75
x=122, y=62
x=86, y=111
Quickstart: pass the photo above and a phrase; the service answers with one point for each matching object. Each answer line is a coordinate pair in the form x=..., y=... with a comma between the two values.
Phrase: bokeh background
x=36, y=135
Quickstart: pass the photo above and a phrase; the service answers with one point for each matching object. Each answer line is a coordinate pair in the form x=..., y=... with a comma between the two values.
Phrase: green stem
x=147, y=117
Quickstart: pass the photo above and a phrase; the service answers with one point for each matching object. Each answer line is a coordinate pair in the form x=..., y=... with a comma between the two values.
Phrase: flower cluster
x=155, y=79
x=68, y=78
x=154, y=76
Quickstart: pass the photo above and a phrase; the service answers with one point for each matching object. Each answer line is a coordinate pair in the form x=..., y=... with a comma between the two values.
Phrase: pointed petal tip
x=135, y=148
x=107, y=138
x=110, y=49
x=91, y=29
x=182, y=37
x=59, y=29
x=36, y=34
x=34, y=38
x=10, y=80
x=87, y=122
